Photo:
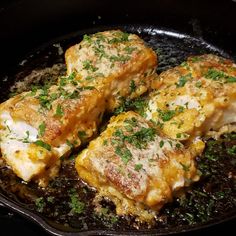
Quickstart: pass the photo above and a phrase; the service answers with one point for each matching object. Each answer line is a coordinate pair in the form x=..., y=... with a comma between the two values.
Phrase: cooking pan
x=31, y=30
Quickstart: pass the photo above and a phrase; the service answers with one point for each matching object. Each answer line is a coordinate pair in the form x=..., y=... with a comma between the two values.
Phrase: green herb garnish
x=185, y=167
x=76, y=205
x=132, y=86
x=161, y=144
x=138, y=167
x=82, y=134
x=219, y=76
x=43, y=145
x=124, y=154
x=87, y=38
x=166, y=115
x=42, y=127
x=183, y=80
x=59, y=111
x=232, y=150
x=40, y=204
x=69, y=144
x=129, y=50
x=198, y=84
x=87, y=65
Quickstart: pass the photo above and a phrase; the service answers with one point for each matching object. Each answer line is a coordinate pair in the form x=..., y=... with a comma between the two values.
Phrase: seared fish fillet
x=195, y=97
x=137, y=168
x=118, y=64
x=39, y=126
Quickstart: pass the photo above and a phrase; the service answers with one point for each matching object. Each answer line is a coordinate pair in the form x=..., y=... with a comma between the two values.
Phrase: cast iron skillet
x=173, y=44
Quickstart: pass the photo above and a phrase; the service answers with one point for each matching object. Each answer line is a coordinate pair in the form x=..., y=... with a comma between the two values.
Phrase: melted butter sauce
x=206, y=200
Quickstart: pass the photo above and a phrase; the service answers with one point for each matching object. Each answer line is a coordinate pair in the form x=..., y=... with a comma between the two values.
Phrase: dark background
x=26, y=24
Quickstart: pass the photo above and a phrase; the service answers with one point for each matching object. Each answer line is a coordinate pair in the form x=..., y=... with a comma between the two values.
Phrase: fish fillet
x=196, y=97
x=118, y=64
x=136, y=167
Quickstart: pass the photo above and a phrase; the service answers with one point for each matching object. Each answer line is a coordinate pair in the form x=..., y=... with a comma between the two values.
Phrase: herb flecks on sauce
x=207, y=199
x=76, y=205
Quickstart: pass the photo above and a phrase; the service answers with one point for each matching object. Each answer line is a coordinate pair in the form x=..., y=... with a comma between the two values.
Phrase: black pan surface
x=172, y=48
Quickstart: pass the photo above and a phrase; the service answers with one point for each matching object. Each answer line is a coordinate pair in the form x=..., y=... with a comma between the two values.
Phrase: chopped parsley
x=166, y=115
x=184, y=64
x=178, y=145
x=42, y=127
x=88, y=88
x=231, y=79
x=76, y=205
x=87, y=38
x=100, y=51
x=195, y=59
x=161, y=144
x=82, y=134
x=121, y=58
x=141, y=138
x=69, y=144
x=43, y=145
x=59, y=111
x=183, y=80
x=198, y=84
x=50, y=199
x=87, y=65
x=214, y=74
x=138, y=139
x=178, y=135
x=185, y=167
x=73, y=95
x=138, y=167
x=124, y=154
x=63, y=81
x=44, y=99
x=138, y=105
x=89, y=78
x=120, y=38
x=71, y=76
x=33, y=91
x=232, y=150
x=129, y=50
x=132, y=121
x=119, y=133
x=132, y=86
x=40, y=204
x=219, y=76
x=26, y=139
x=105, y=142
x=8, y=128
x=180, y=109
x=106, y=214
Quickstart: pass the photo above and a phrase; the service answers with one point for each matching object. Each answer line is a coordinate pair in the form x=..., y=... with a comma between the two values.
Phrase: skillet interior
x=172, y=49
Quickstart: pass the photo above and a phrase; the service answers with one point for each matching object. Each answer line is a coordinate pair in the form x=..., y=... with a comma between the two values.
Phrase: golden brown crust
x=116, y=63
x=120, y=168
x=194, y=97
x=101, y=69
